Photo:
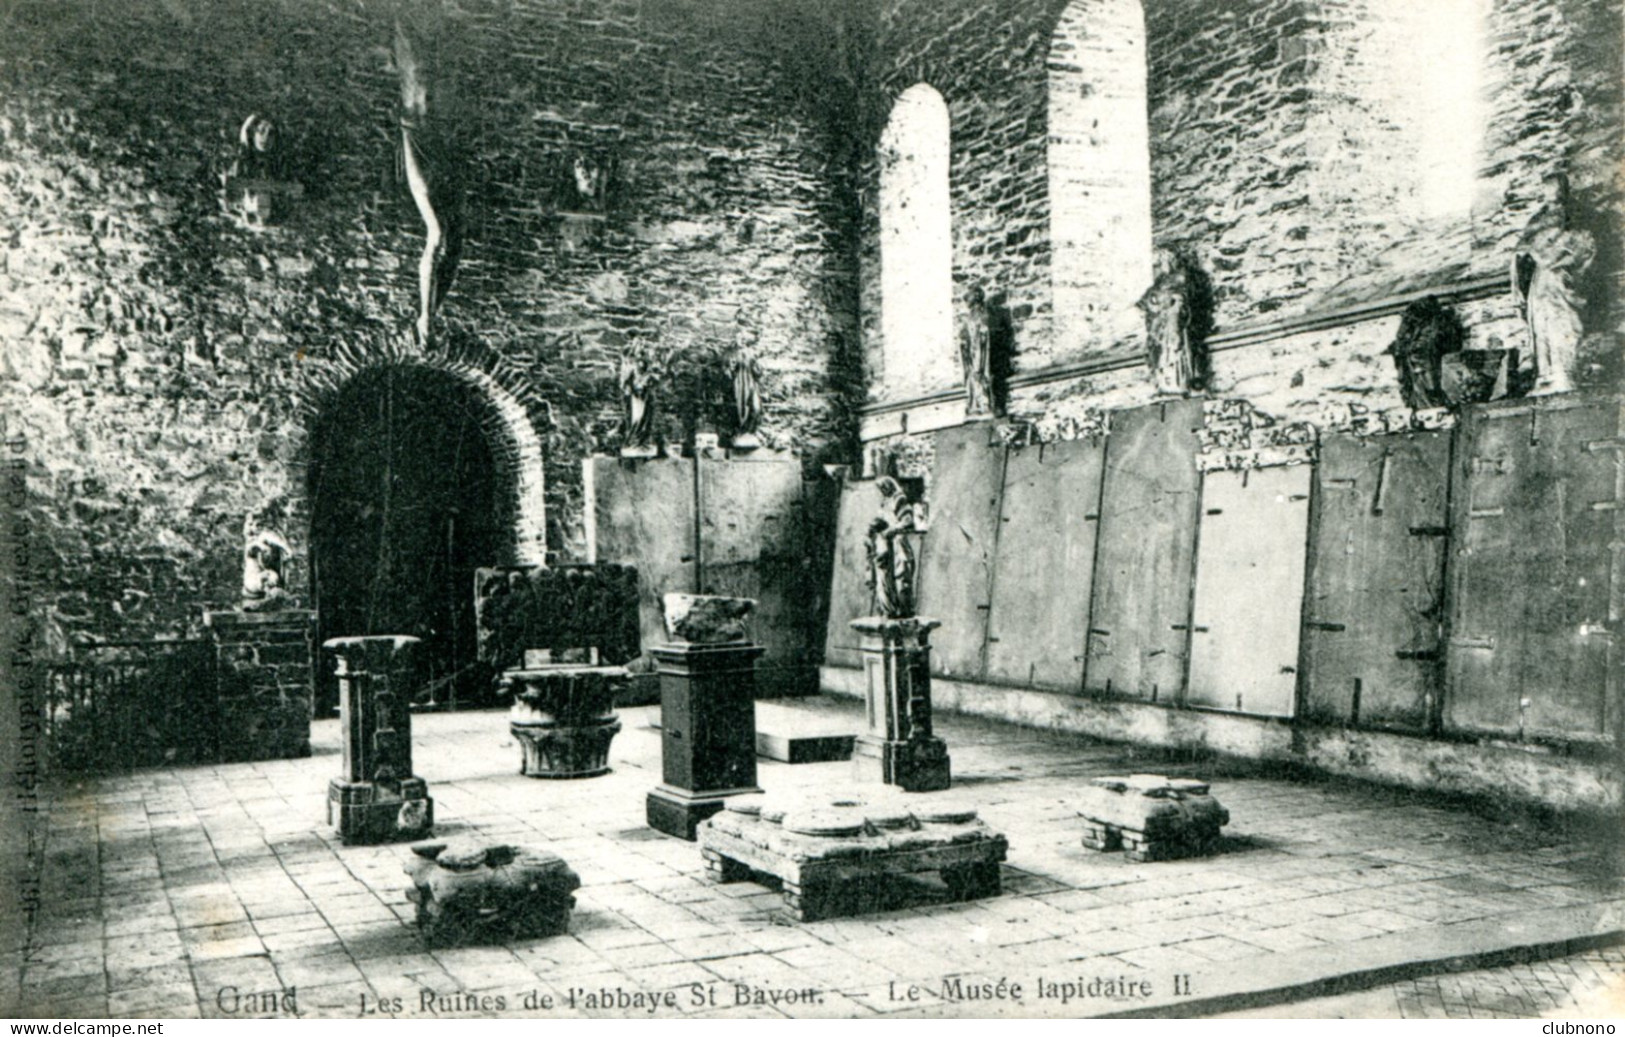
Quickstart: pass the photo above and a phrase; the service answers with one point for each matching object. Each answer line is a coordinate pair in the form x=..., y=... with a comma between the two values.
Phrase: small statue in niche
x=890, y=551
x=265, y=560
x=434, y=179
x=1428, y=332
x=636, y=378
x=590, y=181
x=258, y=176
x=1175, y=309
x=976, y=353
x=745, y=372
x=1545, y=275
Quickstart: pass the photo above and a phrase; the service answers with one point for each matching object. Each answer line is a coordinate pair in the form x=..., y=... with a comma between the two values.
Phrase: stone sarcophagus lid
x=378, y=798
x=1150, y=817
x=470, y=891
x=561, y=637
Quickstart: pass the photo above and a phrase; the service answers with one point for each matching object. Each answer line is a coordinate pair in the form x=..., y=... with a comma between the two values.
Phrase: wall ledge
x=1259, y=333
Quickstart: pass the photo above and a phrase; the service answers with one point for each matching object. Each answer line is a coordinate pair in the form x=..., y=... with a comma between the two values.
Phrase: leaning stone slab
x=1150, y=817
x=470, y=891
x=705, y=619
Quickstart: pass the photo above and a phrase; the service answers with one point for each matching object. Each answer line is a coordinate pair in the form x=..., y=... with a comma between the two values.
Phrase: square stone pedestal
x=378, y=798
x=707, y=732
x=264, y=683
x=897, y=746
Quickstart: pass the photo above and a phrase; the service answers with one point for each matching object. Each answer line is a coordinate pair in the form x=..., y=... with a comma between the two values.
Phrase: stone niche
x=264, y=682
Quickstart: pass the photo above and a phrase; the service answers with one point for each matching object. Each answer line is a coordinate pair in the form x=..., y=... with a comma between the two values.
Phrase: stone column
x=263, y=683
x=707, y=712
x=378, y=798
x=897, y=746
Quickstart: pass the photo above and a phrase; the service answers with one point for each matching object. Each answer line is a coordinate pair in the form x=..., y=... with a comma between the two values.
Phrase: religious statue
x=976, y=354
x=890, y=551
x=1174, y=313
x=432, y=176
x=636, y=379
x=745, y=371
x=258, y=176
x=1544, y=284
x=265, y=557
x=1428, y=332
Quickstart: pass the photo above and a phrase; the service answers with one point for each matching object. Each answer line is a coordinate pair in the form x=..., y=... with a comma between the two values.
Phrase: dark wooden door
x=1375, y=610
x=1534, y=591
x=1044, y=568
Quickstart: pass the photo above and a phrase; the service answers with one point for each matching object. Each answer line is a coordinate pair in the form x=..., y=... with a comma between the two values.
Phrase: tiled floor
x=212, y=890
x=1588, y=985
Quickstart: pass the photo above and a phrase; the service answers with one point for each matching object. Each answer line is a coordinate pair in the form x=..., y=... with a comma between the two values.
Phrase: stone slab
x=821, y=847
x=792, y=736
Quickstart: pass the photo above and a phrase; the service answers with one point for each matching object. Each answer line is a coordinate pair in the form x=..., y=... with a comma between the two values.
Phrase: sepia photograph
x=812, y=509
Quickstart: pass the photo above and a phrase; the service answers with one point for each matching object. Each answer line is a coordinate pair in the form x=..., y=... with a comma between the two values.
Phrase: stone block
x=1151, y=817
x=705, y=619
x=835, y=854
x=468, y=891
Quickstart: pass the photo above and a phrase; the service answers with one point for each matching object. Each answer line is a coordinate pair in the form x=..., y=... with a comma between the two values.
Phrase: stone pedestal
x=708, y=732
x=564, y=718
x=264, y=683
x=378, y=798
x=897, y=746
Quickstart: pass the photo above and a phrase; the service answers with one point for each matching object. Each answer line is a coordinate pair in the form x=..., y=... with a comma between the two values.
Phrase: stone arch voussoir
x=513, y=414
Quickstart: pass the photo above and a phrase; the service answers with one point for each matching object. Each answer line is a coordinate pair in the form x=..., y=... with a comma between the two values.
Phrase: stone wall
x=1284, y=154
x=156, y=350
x=263, y=683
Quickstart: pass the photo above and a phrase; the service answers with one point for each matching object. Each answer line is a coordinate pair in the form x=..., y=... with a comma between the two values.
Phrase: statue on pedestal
x=1174, y=312
x=976, y=353
x=745, y=372
x=890, y=550
x=265, y=558
x=636, y=379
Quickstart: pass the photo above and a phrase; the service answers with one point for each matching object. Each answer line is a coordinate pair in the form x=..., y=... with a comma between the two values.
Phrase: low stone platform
x=794, y=736
x=1151, y=818
x=820, y=847
x=469, y=891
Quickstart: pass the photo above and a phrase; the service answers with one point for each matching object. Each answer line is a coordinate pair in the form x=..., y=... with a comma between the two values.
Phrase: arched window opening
x=1099, y=174
x=916, y=248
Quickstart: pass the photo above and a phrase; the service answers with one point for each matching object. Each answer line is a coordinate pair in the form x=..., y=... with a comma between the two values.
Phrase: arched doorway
x=409, y=495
